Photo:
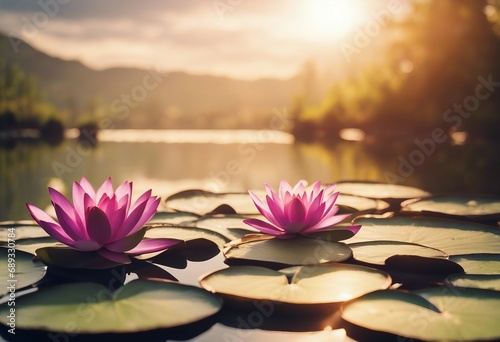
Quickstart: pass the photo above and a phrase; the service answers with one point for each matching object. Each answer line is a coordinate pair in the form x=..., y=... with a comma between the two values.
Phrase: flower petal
x=143, y=198
x=295, y=211
x=277, y=212
x=79, y=206
x=316, y=188
x=116, y=221
x=327, y=223
x=120, y=258
x=61, y=200
x=261, y=207
x=284, y=188
x=264, y=227
x=314, y=209
x=153, y=245
x=87, y=187
x=98, y=226
x=68, y=224
x=86, y=245
x=49, y=225
x=272, y=194
x=127, y=243
x=124, y=191
x=105, y=188
x=300, y=187
x=149, y=211
x=355, y=229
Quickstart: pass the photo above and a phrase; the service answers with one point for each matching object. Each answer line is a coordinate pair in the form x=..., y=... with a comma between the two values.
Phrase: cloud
x=246, y=39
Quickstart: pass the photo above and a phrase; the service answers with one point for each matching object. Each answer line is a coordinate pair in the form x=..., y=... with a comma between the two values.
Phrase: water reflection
x=26, y=170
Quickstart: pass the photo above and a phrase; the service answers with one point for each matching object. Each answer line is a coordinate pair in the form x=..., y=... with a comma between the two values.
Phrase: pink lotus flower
x=298, y=211
x=104, y=221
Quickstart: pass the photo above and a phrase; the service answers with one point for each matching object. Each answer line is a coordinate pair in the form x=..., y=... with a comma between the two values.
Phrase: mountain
x=134, y=97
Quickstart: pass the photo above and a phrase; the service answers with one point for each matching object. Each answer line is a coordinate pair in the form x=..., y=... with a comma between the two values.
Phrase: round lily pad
x=22, y=230
x=65, y=257
x=309, y=285
x=434, y=314
x=201, y=202
x=478, y=208
x=90, y=308
x=31, y=245
x=478, y=281
x=175, y=218
x=379, y=190
x=19, y=270
x=450, y=236
x=231, y=226
x=295, y=251
x=377, y=252
x=358, y=204
x=159, y=230
x=478, y=263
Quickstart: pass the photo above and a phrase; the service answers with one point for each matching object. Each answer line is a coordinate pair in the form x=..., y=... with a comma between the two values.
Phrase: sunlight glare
x=333, y=18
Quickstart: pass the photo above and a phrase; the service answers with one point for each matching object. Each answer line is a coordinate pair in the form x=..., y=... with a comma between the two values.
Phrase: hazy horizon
x=236, y=39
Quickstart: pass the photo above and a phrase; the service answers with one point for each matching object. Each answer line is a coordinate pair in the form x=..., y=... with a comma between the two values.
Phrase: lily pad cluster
x=420, y=267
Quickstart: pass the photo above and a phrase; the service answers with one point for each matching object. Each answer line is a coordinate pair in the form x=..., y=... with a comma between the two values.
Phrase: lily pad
x=65, y=257
x=159, y=230
x=174, y=218
x=201, y=202
x=296, y=251
x=450, y=236
x=24, y=271
x=90, y=308
x=231, y=226
x=377, y=252
x=434, y=314
x=478, y=263
x=22, y=230
x=358, y=204
x=477, y=208
x=31, y=245
x=379, y=190
x=478, y=281
x=310, y=285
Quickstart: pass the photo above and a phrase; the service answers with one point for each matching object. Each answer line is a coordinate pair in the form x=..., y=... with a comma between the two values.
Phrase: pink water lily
x=298, y=211
x=104, y=221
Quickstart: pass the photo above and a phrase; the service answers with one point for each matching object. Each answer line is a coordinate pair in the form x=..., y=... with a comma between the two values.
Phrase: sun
x=333, y=19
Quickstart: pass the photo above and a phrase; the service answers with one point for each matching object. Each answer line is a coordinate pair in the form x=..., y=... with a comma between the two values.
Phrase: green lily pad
x=472, y=207
x=358, y=204
x=296, y=251
x=31, y=245
x=201, y=202
x=159, y=230
x=478, y=263
x=231, y=226
x=90, y=308
x=174, y=218
x=478, y=281
x=377, y=252
x=434, y=314
x=310, y=285
x=22, y=230
x=450, y=236
x=65, y=257
x=19, y=270
x=379, y=190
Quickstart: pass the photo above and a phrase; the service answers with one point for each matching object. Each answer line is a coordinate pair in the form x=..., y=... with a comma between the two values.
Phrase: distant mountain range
x=145, y=98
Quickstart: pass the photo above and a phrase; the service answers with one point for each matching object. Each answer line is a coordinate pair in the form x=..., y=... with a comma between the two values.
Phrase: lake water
x=171, y=161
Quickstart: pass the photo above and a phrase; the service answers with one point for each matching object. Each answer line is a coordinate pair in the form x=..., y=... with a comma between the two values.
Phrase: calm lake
x=171, y=161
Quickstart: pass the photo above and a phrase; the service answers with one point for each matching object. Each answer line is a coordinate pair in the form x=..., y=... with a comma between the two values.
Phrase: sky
x=245, y=39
